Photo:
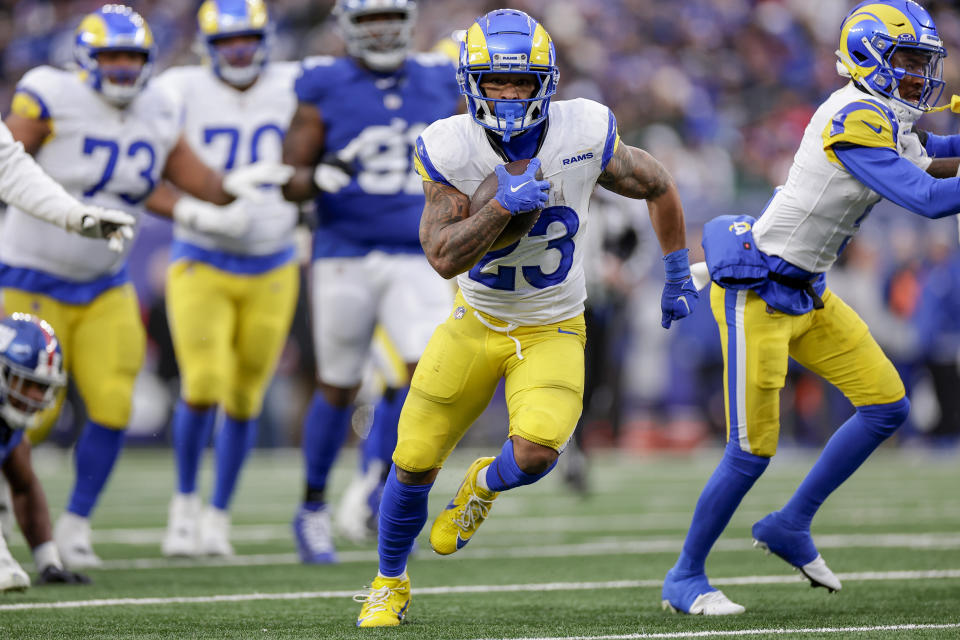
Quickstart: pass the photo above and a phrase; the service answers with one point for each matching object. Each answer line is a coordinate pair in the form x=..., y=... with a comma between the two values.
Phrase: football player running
x=116, y=136
x=519, y=313
x=231, y=293
x=771, y=302
x=31, y=373
x=351, y=141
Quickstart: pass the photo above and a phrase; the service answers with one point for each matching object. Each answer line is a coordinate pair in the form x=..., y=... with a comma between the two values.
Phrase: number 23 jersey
x=101, y=155
x=540, y=279
x=371, y=122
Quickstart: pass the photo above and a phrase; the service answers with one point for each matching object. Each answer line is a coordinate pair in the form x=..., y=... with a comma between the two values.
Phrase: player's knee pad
x=203, y=385
x=416, y=455
x=884, y=419
x=743, y=462
x=547, y=416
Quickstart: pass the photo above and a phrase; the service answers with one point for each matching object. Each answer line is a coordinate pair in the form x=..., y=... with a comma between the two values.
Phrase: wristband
x=676, y=265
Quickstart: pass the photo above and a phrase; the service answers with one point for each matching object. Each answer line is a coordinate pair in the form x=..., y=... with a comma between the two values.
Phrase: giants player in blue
x=858, y=148
x=351, y=140
x=31, y=373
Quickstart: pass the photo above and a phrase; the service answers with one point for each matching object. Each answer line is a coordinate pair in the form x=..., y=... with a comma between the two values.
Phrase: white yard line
x=778, y=631
x=510, y=588
x=603, y=547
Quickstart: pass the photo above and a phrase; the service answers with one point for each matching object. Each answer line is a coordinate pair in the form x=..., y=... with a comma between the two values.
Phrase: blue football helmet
x=507, y=41
x=31, y=368
x=237, y=64
x=870, y=35
x=381, y=44
x=114, y=27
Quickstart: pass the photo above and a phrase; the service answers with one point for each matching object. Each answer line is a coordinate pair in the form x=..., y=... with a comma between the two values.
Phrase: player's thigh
x=755, y=342
x=109, y=344
x=202, y=319
x=453, y=383
x=544, y=389
x=59, y=316
x=415, y=300
x=839, y=347
x=263, y=324
x=343, y=306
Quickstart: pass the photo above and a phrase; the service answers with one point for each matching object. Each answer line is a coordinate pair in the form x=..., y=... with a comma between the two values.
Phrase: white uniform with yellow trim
x=231, y=300
x=228, y=128
x=822, y=204
x=100, y=154
x=541, y=279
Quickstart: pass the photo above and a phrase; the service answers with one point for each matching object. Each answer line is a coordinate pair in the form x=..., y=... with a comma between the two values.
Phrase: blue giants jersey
x=9, y=439
x=371, y=122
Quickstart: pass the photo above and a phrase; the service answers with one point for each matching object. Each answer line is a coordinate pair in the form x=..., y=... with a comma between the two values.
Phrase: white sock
x=482, y=479
x=45, y=555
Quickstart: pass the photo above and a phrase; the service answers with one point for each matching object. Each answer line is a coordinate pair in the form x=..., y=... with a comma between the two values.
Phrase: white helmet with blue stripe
x=377, y=32
x=114, y=27
x=240, y=61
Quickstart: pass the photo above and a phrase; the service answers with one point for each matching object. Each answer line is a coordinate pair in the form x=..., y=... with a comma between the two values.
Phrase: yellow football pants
x=228, y=332
x=103, y=346
x=460, y=369
x=757, y=342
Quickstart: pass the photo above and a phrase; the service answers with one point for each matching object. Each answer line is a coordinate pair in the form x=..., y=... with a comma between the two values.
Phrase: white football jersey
x=227, y=129
x=539, y=280
x=100, y=154
x=809, y=220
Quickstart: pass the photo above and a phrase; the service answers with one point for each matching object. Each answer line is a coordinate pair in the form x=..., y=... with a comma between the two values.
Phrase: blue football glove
x=523, y=192
x=680, y=295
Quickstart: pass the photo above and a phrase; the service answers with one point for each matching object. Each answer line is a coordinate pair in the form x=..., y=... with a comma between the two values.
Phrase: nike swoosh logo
x=519, y=186
x=877, y=129
x=461, y=543
x=572, y=333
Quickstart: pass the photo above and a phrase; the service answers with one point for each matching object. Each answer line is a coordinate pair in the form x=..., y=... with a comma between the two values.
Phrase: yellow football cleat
x=456, y=524
x=385, y=602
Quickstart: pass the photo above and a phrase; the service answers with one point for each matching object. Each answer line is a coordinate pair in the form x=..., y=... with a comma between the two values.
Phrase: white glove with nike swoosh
x=90, y=221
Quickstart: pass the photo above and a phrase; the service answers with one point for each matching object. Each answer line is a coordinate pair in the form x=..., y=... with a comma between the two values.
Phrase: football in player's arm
x=116, y=137
x=519, y=313
x=771, y=302
x=31, y=373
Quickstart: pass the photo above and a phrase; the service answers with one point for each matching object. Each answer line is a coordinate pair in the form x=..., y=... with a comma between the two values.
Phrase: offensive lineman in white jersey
x=107, y=136
x=230, y=299
x=519, y=313
x=771, y=301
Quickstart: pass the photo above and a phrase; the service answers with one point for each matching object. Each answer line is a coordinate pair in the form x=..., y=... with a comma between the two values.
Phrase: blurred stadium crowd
x=719, y=91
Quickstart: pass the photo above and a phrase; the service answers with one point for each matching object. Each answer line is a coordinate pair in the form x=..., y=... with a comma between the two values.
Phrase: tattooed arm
x=302, y=149
x=634, y=173
x=452, y=239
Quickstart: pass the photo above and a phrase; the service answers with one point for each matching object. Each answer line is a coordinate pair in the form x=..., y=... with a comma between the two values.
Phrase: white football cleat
x=713, y=603
x=353, y=516
x=72, y=537
x=183, y=526
x=215, y=532
x=819, y=575
x=12, y=575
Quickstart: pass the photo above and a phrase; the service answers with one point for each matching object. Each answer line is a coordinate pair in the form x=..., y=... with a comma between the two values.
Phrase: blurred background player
x=116, y=136
x=31, y=373
x=351, y=140
x=853, y=153
x=231, y=294
x=519, y=313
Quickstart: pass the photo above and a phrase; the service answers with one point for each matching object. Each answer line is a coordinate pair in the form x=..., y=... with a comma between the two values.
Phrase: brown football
x=519, y=224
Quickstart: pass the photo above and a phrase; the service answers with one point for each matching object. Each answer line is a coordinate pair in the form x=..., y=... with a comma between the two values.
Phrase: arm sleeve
x=900, y=181
x=26, y=186
x=942, y=146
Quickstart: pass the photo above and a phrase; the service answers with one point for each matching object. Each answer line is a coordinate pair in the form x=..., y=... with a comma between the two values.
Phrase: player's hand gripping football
x=680, y=295
x=523, y=192
x=245, y=182
x=90, y=221
x=231, y=220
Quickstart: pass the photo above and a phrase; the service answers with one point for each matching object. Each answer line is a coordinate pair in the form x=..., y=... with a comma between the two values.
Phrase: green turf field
x=548, y=564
